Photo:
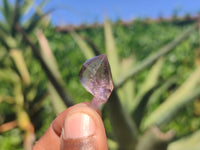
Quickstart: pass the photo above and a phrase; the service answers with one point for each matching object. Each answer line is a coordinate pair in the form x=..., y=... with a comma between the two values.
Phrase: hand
x=78, y=127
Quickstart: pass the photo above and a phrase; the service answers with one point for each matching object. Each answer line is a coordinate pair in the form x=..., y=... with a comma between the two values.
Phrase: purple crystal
x=95, y=76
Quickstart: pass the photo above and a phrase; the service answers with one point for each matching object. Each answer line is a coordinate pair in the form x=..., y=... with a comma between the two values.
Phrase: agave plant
x=26, y=95
x=132, y=126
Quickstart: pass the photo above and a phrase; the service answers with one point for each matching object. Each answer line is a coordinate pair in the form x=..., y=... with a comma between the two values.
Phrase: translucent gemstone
x=95, y=76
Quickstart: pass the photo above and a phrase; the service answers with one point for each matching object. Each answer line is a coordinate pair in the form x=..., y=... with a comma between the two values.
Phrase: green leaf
x=27, y=5
x=139, y=112
x=127, y=91
x=9, y=76
x=112, y=145
x=87, y=51
x=6, y=10
x=20, y=65
x=4, y=28
x=150, y=81
x=48, y=56
x=15, y=17
x=111, y=50
x=190, y=142
x=153, y=57
x=58, y=104
x=35, y=19
x=155, y=96
x=50, y=61
x=174, y=102
x=92, y=45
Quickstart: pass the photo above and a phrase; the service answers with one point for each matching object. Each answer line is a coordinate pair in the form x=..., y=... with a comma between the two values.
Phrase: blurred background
x=154, y=52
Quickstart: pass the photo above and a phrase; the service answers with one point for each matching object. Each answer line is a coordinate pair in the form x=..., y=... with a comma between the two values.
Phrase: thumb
x=83, y=129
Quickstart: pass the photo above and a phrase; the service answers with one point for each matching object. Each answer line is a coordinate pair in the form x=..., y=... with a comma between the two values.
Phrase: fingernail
x=78, y=125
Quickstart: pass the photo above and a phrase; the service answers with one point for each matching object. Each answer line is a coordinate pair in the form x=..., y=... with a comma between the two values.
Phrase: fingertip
x=83, y=129
x=93, y=133
x=57, y=124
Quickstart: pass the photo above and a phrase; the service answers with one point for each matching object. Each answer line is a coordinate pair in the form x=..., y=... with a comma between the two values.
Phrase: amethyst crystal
x=95, y=76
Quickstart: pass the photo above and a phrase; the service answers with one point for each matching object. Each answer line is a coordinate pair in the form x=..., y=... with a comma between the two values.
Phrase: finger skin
x=97, y=141
x=51, y=140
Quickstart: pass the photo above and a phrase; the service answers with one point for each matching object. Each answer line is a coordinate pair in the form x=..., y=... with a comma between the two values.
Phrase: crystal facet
x=95, y=76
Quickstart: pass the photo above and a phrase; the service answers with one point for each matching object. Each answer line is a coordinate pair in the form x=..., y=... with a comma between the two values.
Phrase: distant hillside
x=176, y=20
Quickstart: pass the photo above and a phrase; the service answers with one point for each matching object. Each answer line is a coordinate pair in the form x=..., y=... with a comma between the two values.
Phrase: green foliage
x=152, y=87
x=22, y=91
x=11, y=139
x=149, y=81
x=191, y=142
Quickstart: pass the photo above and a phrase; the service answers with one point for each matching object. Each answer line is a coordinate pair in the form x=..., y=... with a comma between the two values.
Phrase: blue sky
x=89, y=11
